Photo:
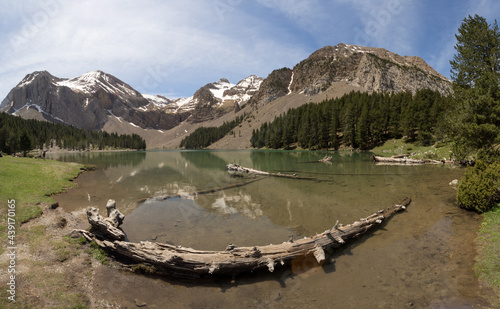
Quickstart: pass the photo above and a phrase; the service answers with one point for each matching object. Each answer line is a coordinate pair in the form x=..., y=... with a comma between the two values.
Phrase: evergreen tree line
x=204, y=137
x=358, y=120
x=17, y=134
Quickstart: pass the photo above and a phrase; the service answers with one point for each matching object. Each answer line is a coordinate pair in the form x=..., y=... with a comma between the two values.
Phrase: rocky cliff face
x=276, y=85
x=370, y=69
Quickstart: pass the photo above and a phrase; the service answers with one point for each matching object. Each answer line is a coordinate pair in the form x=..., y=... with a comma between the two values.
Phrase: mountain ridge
x=91, y=99
x=97, y=100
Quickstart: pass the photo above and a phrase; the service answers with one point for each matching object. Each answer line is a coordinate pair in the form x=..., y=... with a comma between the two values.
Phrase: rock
x=140, y=303
x=85, y=101
x=273, y=87
x=61, y=222
x=54, y=206
x=454, y=183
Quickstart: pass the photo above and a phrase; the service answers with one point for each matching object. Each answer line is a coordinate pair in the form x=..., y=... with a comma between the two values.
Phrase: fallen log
x=177, y=261
x=236, y=168
x=403, y=160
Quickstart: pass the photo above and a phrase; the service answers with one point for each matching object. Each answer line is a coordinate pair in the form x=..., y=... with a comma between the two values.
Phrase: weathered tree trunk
x=236, y=168
x=183, y=262
x=106, y=227
x=403, y=160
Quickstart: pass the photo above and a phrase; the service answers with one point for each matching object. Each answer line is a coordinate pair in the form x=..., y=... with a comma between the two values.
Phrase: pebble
x=140, y=303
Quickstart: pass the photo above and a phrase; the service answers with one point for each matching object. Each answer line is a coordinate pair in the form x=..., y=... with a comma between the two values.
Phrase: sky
x=174, y=47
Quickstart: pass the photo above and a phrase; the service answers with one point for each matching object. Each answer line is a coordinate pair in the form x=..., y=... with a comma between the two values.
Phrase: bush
x=479, y=190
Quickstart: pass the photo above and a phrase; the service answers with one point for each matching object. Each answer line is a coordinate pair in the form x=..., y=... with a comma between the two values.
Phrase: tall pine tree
x=475, y=71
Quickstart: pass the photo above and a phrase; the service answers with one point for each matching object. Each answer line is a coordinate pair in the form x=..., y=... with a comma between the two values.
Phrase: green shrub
x=479, y=190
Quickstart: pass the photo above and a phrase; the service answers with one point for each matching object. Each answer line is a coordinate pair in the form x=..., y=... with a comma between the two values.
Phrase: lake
x=421, y=258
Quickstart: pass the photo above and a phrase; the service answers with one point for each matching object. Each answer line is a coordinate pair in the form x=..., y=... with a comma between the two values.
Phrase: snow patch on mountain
x=157, y=100
x=40, y=110
x=290, y=85
x=220, y=87
x=89, y=83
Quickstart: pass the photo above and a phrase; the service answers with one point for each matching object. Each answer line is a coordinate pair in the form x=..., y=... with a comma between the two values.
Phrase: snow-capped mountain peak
x=251, y=81
x=90, y=82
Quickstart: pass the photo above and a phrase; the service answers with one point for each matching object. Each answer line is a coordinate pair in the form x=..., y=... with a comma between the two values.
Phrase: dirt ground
x=52, y=270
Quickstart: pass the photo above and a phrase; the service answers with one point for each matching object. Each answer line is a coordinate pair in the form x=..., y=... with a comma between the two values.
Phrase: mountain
x=91, y=100
x=331, y=72
x=367, y=68
x=216, y=99
x=97, y=100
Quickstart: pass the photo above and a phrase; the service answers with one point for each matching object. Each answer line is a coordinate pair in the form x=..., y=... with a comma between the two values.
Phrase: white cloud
x=486, y=8
x=174, y=47
x=150, y=45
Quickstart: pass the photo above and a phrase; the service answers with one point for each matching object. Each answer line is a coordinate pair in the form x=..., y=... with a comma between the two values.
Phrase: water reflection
x=181, y=221
x=204, y=159
x=351, y=187
x=102, y=159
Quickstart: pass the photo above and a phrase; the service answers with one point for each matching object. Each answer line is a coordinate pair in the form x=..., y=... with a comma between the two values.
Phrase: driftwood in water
x=183, y=262
x=403, y=160
x=326, y=159
x=236, y=168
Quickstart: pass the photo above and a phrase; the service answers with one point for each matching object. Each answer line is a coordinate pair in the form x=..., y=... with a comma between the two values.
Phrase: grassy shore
x=31, y=182
x=392, y=147
x=40, y=241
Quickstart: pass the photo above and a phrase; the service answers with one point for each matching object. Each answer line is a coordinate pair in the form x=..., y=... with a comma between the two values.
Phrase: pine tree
x=478, y=54
x=475, y=119
x=363, y=128
x=25, y=143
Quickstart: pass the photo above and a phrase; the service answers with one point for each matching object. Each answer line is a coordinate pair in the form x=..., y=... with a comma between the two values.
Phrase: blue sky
x=173, y=47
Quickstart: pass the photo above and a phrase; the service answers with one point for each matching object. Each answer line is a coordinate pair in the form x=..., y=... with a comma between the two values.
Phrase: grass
x=392, y=147
x=487, y=267
x=98, y=253
x=33, y=181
